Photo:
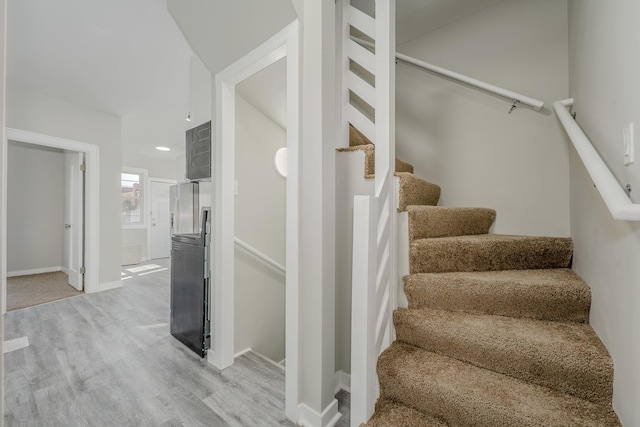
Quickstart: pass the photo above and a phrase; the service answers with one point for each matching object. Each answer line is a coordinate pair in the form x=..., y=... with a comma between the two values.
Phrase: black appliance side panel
x=188, y=295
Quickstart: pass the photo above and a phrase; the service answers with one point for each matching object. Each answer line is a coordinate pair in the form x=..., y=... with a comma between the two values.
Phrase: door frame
x=284, y=44
x=148, y=203
x=92, y=197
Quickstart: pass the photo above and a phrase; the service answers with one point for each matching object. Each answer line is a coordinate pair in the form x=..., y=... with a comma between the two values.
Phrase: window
x=132, y=182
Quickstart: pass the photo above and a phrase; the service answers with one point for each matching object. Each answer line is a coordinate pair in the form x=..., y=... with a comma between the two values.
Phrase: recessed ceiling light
x=163, y=148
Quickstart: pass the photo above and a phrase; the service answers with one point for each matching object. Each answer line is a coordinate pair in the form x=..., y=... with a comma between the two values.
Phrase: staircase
x=496, y=331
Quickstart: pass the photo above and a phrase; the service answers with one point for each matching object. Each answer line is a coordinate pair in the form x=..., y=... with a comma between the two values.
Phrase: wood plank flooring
x=107, y=359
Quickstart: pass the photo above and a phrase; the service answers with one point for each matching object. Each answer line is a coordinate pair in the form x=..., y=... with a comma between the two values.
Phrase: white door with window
x=160, y=219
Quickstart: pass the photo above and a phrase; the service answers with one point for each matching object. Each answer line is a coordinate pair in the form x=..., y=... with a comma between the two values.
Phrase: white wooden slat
x=361, y=88
x=362, y=56
x=362, y=21
x=361, y=122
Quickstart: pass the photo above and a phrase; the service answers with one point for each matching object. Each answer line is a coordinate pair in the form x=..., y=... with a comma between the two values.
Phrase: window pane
x=131, y=198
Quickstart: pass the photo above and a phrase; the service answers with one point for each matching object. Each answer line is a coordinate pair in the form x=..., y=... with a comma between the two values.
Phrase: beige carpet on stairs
x=35, y=289
x=496, y=333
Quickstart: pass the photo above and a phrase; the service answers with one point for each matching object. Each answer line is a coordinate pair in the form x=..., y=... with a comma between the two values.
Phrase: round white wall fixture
x=280, y=161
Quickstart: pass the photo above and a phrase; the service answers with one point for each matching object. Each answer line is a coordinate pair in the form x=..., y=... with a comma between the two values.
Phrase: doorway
x=45, y=218
x=282, y=45
x=83, y=229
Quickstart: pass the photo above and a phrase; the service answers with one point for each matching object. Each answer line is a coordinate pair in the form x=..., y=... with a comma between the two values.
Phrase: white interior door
x=159, y=215
x=74, y=218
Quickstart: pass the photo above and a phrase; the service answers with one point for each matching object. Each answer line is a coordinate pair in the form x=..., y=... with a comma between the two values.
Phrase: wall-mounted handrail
x=516, y=99
x=614, y=196
x=259, y=254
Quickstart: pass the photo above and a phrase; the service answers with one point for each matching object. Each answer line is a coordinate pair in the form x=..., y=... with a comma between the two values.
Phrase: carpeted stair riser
x=556, y=294
x=441, y=221
x=488, y=252
x=403, y=166
x=357, y=138
x=391, y=414
x=567, y=357
x=416, y=191
x=464, y=395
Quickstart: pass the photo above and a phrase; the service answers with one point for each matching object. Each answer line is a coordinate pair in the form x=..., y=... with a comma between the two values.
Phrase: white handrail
x=516, y=98
x=616, y=199
x=258, y=254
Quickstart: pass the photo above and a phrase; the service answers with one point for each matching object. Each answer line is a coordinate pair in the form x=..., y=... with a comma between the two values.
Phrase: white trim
x=34, y=271
x=617, y=201
x=243, y=352
x=15, y=344
x=284, y=44
x=343, y=381
x=307, y=417
x=92, y=200
x=148, y=201
x=109, y=285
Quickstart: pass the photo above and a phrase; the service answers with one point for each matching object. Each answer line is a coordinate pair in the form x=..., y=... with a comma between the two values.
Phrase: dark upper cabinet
x=198, y=152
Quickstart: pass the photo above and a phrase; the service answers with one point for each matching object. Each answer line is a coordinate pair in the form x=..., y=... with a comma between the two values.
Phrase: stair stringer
x=350, y=182
x=402, y=248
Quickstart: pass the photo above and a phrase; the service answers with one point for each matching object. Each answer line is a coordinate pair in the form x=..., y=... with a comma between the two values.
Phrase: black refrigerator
x=190, y=274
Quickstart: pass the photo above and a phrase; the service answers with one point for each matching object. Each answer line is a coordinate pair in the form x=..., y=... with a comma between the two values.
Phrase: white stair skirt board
x=33, y=271
x=307, y=417
x=343, y=381
x=15, y=344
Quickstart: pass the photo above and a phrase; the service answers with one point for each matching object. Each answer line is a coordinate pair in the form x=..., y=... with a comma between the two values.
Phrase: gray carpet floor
x=35, y=289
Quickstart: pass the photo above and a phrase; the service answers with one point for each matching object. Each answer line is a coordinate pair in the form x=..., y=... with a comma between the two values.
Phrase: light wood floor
x=107, y=359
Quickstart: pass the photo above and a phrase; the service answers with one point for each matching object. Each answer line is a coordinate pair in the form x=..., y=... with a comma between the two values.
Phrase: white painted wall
x=35, y=112
x=604, y=80
x=200, y=91
x=157, y=167
x=464, y=140
x=35, y=208
x=260, y=222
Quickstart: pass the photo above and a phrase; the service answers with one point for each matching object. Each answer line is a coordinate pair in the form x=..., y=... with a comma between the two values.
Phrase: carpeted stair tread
x=555, y=294
x=442, y=221
x=370, y=160
x=465, y=395
x=392, y=414
x=416, y=191
x=567, y=357
x=489, y=252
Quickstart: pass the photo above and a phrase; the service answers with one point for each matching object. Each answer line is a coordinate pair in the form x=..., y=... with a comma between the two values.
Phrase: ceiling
x=128, y=58
x=122, y=57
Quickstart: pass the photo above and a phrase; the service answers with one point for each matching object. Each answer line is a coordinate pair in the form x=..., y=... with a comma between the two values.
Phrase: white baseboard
x=109, y=285
x=241, y=352
x=33, y=271
x=343, y=381
x=64, y=270
x=308, y=417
